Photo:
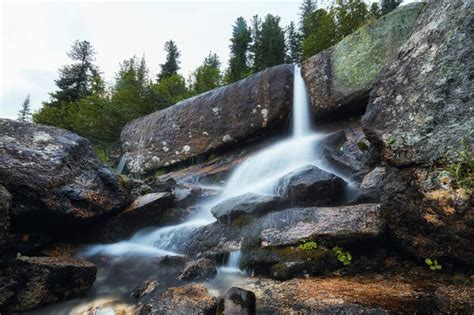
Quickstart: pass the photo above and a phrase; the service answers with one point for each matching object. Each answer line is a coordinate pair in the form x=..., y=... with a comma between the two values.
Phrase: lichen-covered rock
x=5, y=201
x=419, y=112
x=246, y=205
x=201, y=269
x=310, y=186
x=209, y=121
x=339, y=78
x=34, y=281
x=54, y=178
x=184, y=300
x=237, y=301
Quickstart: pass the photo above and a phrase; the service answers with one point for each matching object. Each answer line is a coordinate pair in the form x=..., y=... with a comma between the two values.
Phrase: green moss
x=308, y=245
x=358, y=58
x=433, y=264
x=343, y=256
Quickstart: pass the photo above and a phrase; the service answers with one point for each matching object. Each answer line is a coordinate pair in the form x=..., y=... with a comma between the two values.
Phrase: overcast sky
x=35, y=36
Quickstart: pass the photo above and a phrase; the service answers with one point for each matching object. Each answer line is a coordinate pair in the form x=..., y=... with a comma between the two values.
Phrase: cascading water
x=258, y=174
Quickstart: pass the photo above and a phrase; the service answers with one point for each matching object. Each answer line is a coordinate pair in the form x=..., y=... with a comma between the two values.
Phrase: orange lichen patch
x=463, y=194
x=433, y=219
x=444, y=198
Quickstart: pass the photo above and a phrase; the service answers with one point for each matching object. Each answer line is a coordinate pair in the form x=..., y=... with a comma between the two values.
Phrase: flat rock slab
x=209, y=121
x=249, y=204
x=336, y=225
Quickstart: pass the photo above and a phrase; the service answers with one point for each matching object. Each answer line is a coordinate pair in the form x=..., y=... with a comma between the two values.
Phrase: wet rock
x=419, y=112
x=5, y=201
x=311, y=186
x=55, y=180
x=152, y=209
x=172, y=261
x=237, y=301
x=246, y=206
x=238, y=112
x=339, y=78
x=371, y=188
x=348, y=151
x=201, y=269
x=187, y=299
x=143, y=289
x=374, y=180
x=35, y=281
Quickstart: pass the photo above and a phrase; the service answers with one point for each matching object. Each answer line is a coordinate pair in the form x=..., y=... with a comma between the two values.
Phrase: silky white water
x=258, y=174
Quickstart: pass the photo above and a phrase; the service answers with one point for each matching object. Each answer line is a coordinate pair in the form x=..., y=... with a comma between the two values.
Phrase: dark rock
x=311, y=186
x=238, y=301
x=163, y=183
x=371, y=188
x=238, y=112
x=143, y=289
x=201, y=269
x=34, y=281
x=246, y=205
x=339, y=78
x=168, y=261
x=5, y=201
x=152, y=209
x=55, y=180
x=418, y=114
x=184, y=300
x=374, y=180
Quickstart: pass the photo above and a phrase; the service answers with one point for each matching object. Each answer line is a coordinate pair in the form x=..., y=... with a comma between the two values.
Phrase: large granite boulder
x=209, y=121
x=420, y=118
x=237, y=301
x=29, y=282
x=340, y=78
x=5, y=201
x=311, y=186
x=54, y=178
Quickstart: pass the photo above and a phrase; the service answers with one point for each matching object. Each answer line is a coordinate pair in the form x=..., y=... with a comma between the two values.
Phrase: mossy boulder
x=340, y=78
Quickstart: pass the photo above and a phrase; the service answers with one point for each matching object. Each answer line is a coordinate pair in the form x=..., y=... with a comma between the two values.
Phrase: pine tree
x=256, y=30
x=293, y=44
x=389, y=5
x=375, y=12
x=270, y=47
x=323, y=35
x=239, y=48
x=208, y=76
x=171, y=66
x=306, y=8
x=350, y=15
x=24, y=115
x=74, y=80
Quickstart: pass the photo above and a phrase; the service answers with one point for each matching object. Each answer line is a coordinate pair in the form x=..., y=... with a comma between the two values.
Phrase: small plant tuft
x=343, y=256
x=463, y=168
x=308, y=245
x=433, y=264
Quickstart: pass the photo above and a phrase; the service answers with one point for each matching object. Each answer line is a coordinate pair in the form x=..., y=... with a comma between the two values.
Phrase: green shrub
x=343, y=256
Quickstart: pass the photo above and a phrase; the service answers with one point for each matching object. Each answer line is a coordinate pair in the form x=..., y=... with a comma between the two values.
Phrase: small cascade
x=121, y=164
x=232, y=265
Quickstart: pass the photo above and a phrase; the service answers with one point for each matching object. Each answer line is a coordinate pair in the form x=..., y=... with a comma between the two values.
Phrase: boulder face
x=340, y=78
x=34, y=281
x=419, y=112
x=54, y=176
x=237, y=301
x=5, y=201
x=209, y=121
x=310, y=186
x=200, y=269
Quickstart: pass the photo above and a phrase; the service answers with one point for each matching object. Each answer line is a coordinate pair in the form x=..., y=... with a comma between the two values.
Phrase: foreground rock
x=339, y=78
x=5, y=201
x=238, y=112
x=406, y=293
x=154, y=209
x=54, y=178
x=201, y=269
x=29, y=282
x=245, y=206
x=419, y=112
x=188, y=299
x=237, y=301
x=311, y=186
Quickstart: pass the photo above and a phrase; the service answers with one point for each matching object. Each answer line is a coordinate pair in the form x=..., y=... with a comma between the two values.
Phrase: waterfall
x=232, y=265
x=258, y=174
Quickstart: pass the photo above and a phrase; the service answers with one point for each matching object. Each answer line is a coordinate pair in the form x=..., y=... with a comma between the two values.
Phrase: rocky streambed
x=373, y=220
